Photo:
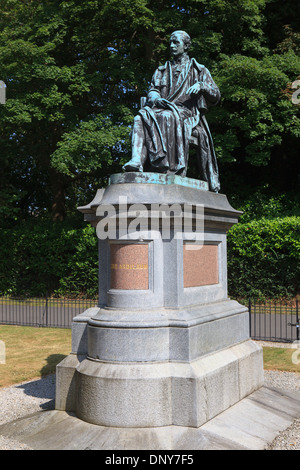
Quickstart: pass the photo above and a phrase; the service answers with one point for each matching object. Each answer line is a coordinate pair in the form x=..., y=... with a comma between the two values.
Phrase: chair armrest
x=143, y=101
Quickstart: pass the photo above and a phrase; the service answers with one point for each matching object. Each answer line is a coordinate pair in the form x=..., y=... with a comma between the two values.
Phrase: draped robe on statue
x=167, y=131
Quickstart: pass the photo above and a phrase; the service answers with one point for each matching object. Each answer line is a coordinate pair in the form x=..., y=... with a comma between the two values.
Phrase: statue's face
x=177, y=45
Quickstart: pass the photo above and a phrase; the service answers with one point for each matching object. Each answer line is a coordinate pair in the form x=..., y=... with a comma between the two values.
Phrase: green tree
x=75, y=72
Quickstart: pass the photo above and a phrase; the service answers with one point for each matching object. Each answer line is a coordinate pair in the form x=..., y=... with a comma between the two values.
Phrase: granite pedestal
x=165, y=346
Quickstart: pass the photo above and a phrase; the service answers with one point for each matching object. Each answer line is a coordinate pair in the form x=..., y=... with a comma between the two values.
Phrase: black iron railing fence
x=269, y=320
x=42, y=311
x=274, y=321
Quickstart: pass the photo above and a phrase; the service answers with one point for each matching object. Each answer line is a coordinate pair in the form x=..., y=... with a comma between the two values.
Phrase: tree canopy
x=75, y=72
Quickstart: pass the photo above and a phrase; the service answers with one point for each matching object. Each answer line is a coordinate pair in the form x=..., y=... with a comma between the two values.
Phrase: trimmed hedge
x=264, y=258
x=41, y=257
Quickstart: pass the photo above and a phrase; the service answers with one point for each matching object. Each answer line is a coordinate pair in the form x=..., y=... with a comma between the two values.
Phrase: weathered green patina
x=157, y=178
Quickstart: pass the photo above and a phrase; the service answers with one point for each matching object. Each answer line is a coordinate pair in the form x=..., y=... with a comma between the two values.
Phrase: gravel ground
x=24, y=399
x=28, y=397
x=290, y=438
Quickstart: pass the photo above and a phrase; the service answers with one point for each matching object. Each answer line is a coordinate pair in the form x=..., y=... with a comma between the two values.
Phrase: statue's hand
x=161, y=103
x=194, y=89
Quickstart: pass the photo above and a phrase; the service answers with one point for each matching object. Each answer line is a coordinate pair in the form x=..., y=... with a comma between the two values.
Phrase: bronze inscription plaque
x=200, y=265
x=129, y=266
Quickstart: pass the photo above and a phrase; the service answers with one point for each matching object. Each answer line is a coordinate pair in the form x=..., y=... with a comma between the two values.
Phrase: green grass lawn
x=31, y=352
x=282, y=359
x=34, y=352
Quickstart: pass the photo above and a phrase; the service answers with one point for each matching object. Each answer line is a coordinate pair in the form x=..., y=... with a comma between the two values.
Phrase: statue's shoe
x=133, y=166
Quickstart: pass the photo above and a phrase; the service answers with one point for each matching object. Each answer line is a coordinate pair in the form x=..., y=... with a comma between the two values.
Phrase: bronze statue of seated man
x=180, y=94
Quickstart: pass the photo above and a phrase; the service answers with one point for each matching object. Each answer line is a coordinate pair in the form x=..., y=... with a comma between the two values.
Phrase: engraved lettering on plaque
x=129, y=266
x=200, y=266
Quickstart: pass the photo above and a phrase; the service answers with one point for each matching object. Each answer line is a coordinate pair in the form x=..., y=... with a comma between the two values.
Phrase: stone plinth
x=165, y=346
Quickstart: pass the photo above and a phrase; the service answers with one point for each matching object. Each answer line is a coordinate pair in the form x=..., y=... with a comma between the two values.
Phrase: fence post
x=249, y=308
x=297, y=319
x=46, y=308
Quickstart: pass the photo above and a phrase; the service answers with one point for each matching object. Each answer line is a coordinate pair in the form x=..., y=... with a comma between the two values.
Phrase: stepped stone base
x=158, y=394
x=251, y=424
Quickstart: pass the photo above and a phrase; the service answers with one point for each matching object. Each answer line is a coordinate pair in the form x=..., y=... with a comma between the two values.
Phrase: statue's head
x=183, y=37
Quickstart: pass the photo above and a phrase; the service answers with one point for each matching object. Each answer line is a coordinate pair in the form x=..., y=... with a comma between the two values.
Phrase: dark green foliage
x=264, y=258
x=265, y=204
x=41, y=257
x=264, y=248
x=75, y=71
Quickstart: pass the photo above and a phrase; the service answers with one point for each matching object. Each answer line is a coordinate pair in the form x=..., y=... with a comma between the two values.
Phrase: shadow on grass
x=52, y=362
